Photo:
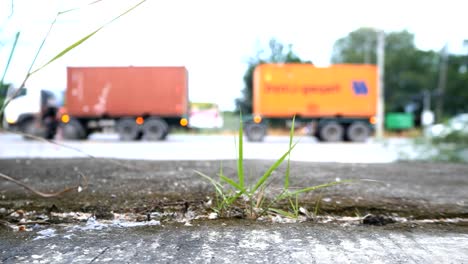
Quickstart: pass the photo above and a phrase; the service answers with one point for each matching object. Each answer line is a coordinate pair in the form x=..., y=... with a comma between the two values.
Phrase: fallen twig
x=79, y=188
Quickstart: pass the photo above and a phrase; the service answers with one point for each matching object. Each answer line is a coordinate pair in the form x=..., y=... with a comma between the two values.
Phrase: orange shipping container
x=126, y=91
x=343, y=90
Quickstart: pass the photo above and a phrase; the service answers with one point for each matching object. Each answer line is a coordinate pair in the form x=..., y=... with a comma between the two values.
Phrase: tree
x=357, y=47
x=277, y=54
x=456, y=93
x=3, y=92
x=408, y=71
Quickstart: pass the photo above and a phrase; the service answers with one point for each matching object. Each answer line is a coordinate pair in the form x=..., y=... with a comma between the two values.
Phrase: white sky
x=212, y=38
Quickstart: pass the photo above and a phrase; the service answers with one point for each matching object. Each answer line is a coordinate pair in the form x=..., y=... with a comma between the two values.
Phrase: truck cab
x=31, y=112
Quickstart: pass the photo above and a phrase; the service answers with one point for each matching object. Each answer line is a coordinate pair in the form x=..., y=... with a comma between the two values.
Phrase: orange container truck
x=339, y=102
x=138, y=102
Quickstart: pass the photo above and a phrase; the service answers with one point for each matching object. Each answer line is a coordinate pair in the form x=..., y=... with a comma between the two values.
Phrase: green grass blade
x=291, y=203
x=80, y=41
x=313, y=188
x=277, y=198
x=232, y=183
x=291, y=134
x=317, y=205
x=10, y=57
x=273, y=167
x=282, y=212
x=66, y=50
x=240, y=158
x=297, y=205
x=217, y=186
x=232, y=199
x=221, y=168
x=220, y=204
x=262, y=201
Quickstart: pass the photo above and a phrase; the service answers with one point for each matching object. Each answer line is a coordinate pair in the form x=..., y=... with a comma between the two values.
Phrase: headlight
x=11, y=120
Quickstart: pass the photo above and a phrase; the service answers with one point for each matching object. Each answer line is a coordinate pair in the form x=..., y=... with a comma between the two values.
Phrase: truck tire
x=255, y=132
x=73, y=130
x=50, y=125
x=30, y=127
x=357, y=132
x=330, y=132
x=128, y=129
x=155, y=129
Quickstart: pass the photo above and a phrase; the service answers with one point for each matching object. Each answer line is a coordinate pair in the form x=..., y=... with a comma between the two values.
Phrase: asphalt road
x=204, y=147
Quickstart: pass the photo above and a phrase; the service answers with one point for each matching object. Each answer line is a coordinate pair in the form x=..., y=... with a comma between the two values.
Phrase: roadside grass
x=452, y=147
x=231, y=194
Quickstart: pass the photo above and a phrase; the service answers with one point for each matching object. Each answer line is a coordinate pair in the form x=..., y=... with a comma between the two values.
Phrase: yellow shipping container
x=343, y=90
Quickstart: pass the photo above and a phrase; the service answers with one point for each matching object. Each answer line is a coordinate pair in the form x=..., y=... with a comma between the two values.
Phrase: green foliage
x=357, y=47
x=3, y=89
x=451, y=147
x=456, y=137
x=409, y=72
x=456, y=95
x=253, y=197
x=277, y=54
x=3, y=93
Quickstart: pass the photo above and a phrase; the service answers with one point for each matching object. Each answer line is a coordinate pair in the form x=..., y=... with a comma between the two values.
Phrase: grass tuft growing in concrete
x=231, y=194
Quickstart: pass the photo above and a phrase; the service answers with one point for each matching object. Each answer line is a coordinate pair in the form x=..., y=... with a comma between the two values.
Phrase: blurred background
x=424, y=55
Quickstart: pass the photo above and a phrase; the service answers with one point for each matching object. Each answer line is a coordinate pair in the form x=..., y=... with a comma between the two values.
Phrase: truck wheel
x=357, y=132
x=155, y=129
x=331, y=132
x=50, y=125
x=73, y=130
x=255, y=132
x=127, y=129
x=31, y=127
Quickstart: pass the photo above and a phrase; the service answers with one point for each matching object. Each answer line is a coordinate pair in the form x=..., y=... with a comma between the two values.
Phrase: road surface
x=203, y=147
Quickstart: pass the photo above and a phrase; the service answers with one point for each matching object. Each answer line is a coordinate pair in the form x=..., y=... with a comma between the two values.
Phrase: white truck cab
x=31, y=111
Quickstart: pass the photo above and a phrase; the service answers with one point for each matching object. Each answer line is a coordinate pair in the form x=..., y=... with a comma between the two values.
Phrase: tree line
x=410, y=73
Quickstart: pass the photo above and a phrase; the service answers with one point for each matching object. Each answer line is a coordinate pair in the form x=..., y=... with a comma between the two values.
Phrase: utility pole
x=427, y=116
x=380, y=84
x=439, y=107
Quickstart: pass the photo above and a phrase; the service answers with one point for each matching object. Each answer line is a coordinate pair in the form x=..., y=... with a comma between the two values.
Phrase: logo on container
x=360, y=88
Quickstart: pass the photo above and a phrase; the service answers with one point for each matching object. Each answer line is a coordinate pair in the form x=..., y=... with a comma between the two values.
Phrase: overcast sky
x=212, y=38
